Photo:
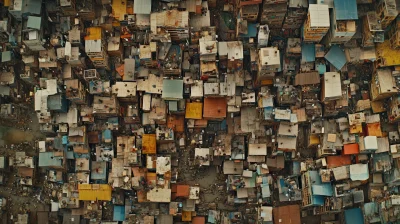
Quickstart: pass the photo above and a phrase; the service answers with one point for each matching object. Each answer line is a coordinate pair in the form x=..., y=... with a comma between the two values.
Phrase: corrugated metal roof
x=142, y=7
x=307, y=78
x=94, y=192
x=336, y=57
x=346, y=9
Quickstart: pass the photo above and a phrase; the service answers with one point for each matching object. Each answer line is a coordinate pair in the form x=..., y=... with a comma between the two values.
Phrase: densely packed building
x=196, y=111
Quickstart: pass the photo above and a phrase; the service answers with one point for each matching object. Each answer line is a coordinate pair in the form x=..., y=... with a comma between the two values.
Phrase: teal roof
x=324, y=189
x=98, y=170
x=346, y=9
x=172, y=89
x=308, y=53
x=34, y=22
x=354, y=216
x=47, y=159
x=336, y=57
x=119, y=213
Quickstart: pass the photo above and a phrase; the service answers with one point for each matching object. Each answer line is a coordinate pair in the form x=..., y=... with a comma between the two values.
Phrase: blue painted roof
x=81, y=155
x=318, y=200
x=370, y=208
x=346, y=9
x=321, y=68
x=336, y=57
x=47, y=159
x=324, y=189
x=265, y=191
x=381, y=157
x=119, y=213
x=57, y=102
x=268, y=113
x=70, y=155
x=264, y=179
x=107, y=134
x=251, y=30
x=64, y=140
x=58, y=143
x=211, y=217
x=113, y=120
x=308, y=53
x=101, y=167
x=354, y=216
x=315, y=177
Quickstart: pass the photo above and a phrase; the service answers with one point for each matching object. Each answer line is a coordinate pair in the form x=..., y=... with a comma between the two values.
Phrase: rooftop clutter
x=237, y=111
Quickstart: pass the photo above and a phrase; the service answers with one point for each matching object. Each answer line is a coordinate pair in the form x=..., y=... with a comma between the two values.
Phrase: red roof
x=336, y=161
x=199, y=220
x=350, y=149
x=182, y=191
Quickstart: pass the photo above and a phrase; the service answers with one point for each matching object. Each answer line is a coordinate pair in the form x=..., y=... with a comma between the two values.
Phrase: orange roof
x=149, y=144
x=199, y=220
x=182, y=191
x=357, y=128
x=94, y=192
x=186, y=216
x=214, y=107
x=374, y=129
x=176, y=123
x=266, y=82
x=350, y=149
x=194, y=110
x=93, y=33
x=336, y=161
x=287, y=214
